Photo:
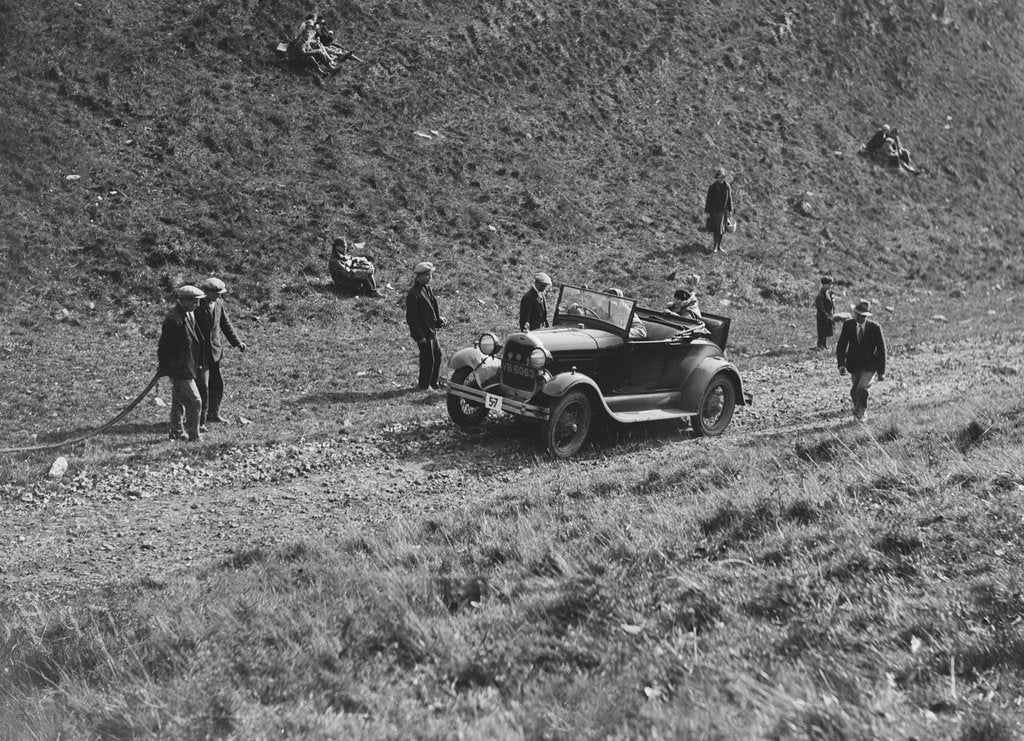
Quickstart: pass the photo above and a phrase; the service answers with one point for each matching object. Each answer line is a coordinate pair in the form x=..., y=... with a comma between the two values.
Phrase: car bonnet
x=563, y=339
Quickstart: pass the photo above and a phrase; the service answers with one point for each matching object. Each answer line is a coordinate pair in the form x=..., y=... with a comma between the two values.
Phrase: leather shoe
x=204, y=428
x=214, y=418
x=180, y=436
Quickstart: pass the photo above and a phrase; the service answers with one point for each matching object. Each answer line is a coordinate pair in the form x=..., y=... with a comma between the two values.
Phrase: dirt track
x=124, y=524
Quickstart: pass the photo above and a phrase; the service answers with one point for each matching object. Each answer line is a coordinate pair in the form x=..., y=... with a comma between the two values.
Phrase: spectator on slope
x=424, y=319
x=313, y=44
x=877, y=141
x=718, y=207
x=180, y=357
x=899, y=156
x=215, y=326
x=824, y=311
x=533, y=310
x=352, y=272
x=861, y=351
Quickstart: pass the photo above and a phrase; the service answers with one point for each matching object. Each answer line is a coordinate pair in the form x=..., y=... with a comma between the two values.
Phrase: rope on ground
x=124, y=413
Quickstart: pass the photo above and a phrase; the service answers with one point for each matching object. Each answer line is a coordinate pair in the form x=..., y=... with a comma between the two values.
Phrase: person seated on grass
x=314, y=45
x=899, y=156
x=352, y=272
x=877, y=141
x=637, y=329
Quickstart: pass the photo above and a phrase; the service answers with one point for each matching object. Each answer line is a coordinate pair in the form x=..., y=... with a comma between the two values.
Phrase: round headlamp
x=538, y=358
x=488, y=344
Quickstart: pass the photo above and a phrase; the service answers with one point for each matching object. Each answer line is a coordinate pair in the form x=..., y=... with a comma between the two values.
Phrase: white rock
x=939, y=318
x=159, y=402
x=59, y=468
x=72, y=177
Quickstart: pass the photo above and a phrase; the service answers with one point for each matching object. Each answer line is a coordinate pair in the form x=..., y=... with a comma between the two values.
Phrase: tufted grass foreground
x=844, y=586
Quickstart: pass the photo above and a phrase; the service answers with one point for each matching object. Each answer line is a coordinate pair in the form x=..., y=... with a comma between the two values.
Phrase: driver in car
x=637, y=329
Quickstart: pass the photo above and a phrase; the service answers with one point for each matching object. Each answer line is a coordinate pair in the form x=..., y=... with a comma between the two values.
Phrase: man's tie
x=860, y=333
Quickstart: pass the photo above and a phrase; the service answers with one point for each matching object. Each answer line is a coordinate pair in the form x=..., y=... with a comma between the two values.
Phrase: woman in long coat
x=718, y=207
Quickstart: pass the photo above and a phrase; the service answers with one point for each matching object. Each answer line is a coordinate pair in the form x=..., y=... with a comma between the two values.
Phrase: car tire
x=717, y=404
x=463, y=412
x=568, y=424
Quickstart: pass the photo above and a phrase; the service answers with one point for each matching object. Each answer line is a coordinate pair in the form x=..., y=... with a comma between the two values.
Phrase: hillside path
x=180, y=515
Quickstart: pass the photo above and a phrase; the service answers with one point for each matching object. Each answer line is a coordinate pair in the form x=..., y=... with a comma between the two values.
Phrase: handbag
x=730, y=225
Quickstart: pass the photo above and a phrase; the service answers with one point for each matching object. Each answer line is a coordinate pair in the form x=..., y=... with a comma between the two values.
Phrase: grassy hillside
x=579, y=137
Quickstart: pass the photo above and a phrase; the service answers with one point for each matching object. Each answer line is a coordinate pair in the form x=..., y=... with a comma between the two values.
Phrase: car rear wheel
x=568, y=424
x=464, y=413
x=716, y=407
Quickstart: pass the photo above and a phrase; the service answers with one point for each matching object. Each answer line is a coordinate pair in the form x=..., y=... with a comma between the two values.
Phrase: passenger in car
x=684, y=304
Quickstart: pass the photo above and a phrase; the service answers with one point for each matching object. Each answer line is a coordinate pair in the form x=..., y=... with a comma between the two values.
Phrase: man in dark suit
x=180, y=357
x=216, y=327
x=424, y=319
x=861, y=351
x=533, y=311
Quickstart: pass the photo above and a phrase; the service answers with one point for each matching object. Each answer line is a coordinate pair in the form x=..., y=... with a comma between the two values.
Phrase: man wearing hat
x=824, y=310
x=533, y=311
x=861, y=351
x=215, y=326
x=180, y=357
x=424, y=319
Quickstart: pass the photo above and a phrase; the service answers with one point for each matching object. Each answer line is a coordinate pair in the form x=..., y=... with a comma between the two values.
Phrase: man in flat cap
x=180, y=357
x=861, y=351
x=215, y=327
x=533, y=311
x=424, y=319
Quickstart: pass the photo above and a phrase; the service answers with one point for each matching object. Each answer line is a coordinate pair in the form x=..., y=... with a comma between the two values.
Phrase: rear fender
x=708, y=369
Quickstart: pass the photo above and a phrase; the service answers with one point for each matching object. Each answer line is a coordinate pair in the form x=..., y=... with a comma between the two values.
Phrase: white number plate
x=492, y=402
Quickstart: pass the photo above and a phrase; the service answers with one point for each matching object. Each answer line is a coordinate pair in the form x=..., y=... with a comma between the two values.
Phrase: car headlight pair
x=488, y=344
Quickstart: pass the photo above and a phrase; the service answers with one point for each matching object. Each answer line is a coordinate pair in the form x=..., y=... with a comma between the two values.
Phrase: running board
x=650, y=415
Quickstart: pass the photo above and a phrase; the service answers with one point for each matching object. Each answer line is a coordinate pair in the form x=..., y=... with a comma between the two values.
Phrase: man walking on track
x=424, y=319
x=861, y=351
x=180, y=355
x=216, y=327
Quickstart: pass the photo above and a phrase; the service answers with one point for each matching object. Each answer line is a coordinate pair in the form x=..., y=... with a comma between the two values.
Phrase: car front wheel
x=464, y=413
x=716, y=407
x=568, y=424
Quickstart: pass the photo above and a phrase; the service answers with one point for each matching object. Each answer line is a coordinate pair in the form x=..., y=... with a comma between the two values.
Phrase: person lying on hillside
x=352, y=272
x=877, y=142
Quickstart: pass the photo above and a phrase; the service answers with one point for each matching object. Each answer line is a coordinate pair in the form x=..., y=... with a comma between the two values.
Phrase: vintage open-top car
x=587, y=363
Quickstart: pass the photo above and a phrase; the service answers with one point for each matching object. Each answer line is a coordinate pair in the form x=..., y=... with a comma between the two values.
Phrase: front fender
x=708, y=369
x=485, y=367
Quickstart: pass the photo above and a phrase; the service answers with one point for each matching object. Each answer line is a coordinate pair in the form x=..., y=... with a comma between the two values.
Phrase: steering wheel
x=587, y=311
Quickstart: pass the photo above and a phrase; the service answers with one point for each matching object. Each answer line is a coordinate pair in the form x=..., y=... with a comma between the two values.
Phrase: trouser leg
x=215, y=390
x=860, y=383
x=435, y=370
x=426, y=363
x=177, y=410
x=203, y=385
x=188, y=392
